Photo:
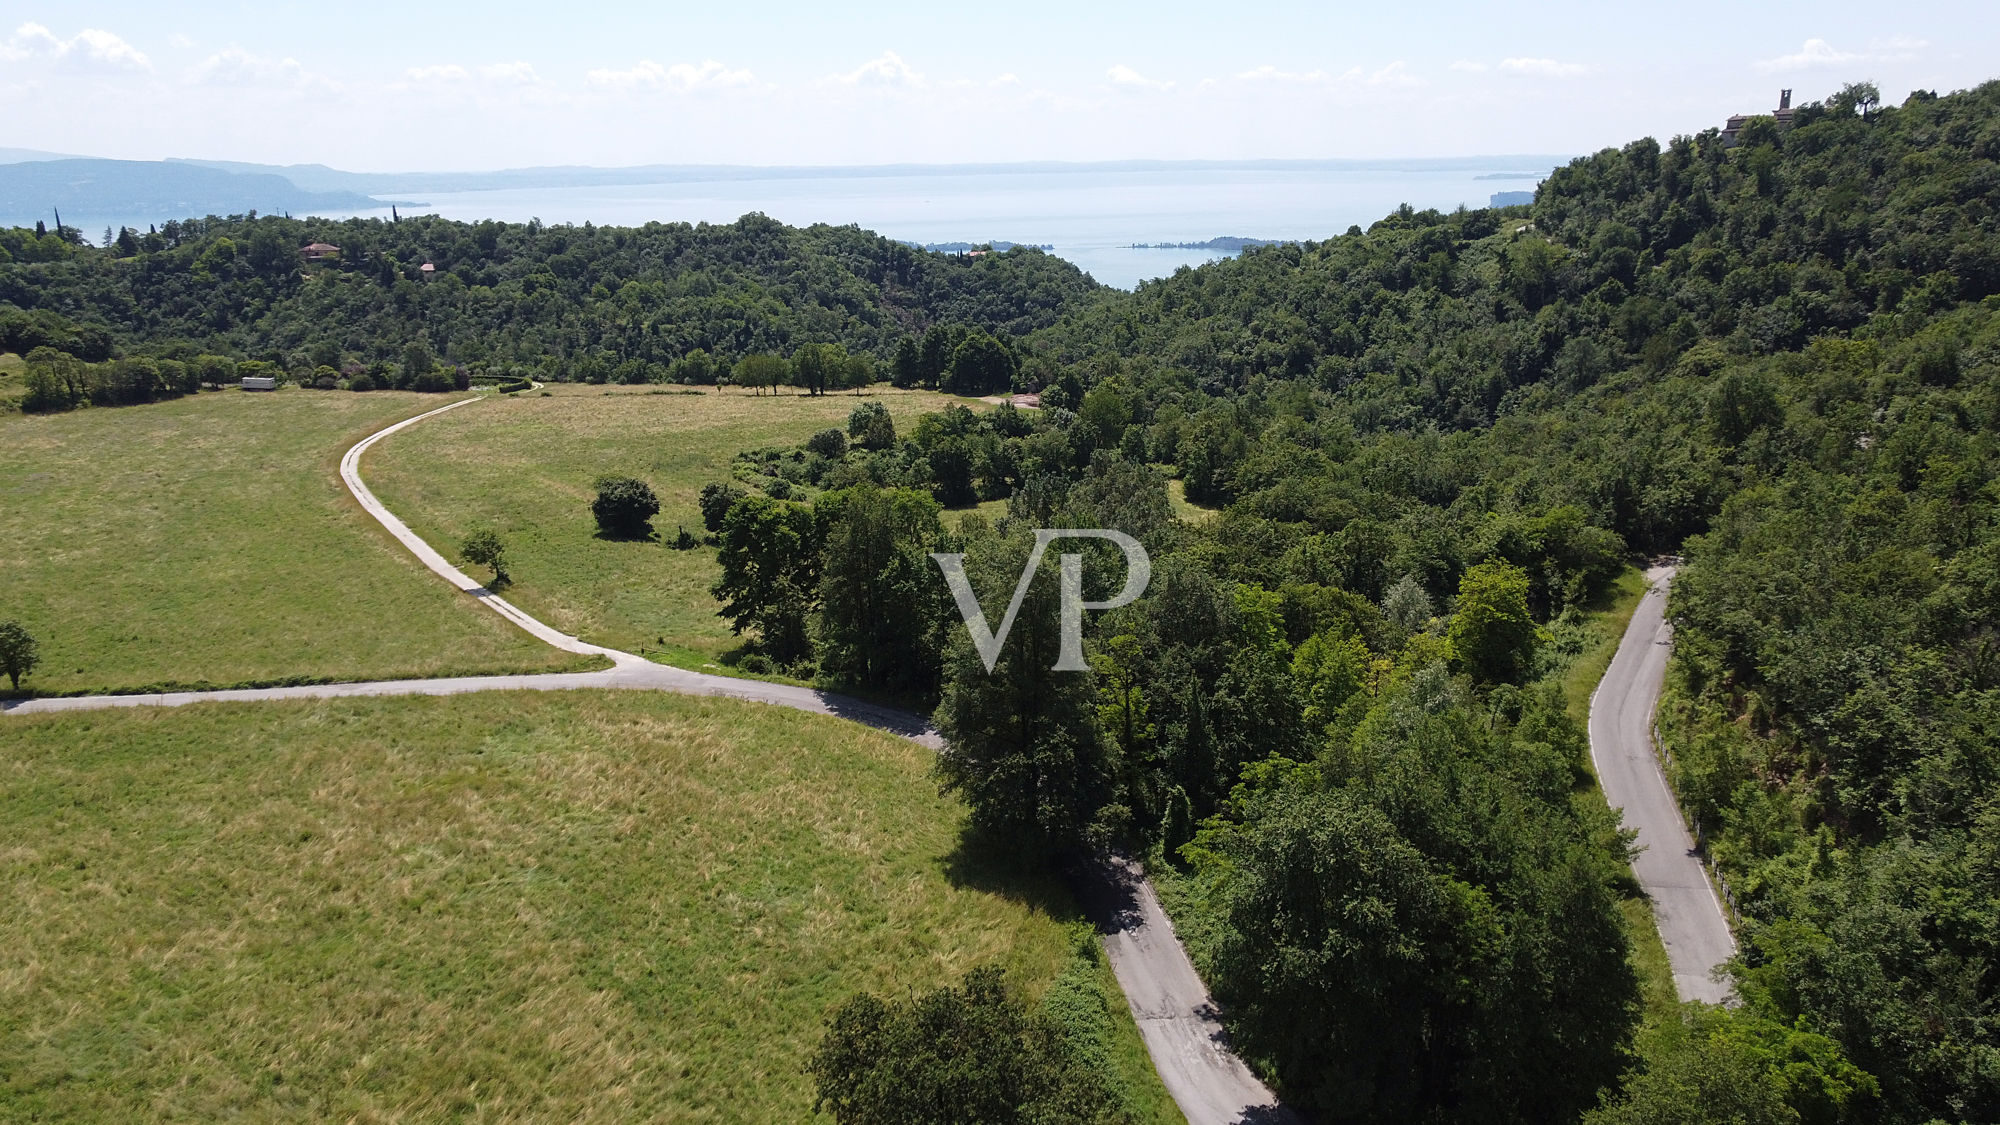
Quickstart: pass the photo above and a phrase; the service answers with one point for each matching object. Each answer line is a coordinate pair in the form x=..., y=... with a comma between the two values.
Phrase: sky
x=447, y=86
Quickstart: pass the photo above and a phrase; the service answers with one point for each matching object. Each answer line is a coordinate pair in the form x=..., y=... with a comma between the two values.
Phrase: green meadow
x=208, y=540
x=525, y=466
x=579, y=906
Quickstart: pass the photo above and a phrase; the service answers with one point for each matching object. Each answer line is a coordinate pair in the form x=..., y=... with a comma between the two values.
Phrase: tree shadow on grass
x=987, y=861
x=645, y=534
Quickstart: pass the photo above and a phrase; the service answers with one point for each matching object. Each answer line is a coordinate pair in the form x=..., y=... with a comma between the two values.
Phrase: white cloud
x=1815, y=52
x=1122, y=75
x=1273, y=74
x=1542, y=68
x=519, y=72
x=1468, y=66
x=1391, y=75
x=1898, y=48
x=180, y=41
x=680, y=76
x=91, y=45
x=887, y=69
x=443, y=72
x=234, y=66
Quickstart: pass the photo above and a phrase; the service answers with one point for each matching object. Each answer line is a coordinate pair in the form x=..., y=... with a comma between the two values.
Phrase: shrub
x=970, y=1053
x=624, y=507
x=433, y=381
x=715, y=501
x=361, y=382
x=871, y=427
x=18, y=652
x=830, y=444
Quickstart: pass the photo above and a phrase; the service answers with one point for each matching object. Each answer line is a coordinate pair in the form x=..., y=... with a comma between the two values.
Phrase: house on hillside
x=319, y=252
x=426, y=271
x=1734, y=128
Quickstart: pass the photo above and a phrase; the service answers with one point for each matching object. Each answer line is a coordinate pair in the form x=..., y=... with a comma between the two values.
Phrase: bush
x=715, y=501
x=361, y=382
x=830, y=444
x=871, y=427
x=971, y=1053
x=18, y=652
x=433, y=382
x=624, y=507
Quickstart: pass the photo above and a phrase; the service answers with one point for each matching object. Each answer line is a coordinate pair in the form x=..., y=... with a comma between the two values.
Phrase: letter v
x=983, y=638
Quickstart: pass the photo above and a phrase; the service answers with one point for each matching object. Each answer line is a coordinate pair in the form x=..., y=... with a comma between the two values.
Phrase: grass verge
x=586, y=906
x=208, y=539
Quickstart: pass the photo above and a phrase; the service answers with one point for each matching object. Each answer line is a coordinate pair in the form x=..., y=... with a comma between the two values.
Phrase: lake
x=1091, y=216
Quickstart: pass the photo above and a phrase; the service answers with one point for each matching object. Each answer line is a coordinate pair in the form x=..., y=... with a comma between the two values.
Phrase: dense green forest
x=1427, y=449
x=586, y=304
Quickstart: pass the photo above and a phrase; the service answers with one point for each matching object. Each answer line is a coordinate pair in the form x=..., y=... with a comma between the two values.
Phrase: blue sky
x=380, y=87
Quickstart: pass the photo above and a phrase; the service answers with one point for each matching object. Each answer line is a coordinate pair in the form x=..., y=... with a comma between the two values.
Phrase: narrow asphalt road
x=1168, y=1000
x=1689, y=915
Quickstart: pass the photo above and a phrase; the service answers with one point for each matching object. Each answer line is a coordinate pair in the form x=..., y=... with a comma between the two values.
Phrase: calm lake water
x=1090, y=216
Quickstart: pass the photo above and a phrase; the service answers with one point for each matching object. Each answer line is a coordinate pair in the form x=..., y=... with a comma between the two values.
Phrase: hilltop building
x=1734, y=129
x=319, y=252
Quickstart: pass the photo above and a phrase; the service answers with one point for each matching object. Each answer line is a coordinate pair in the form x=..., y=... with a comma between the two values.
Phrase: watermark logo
x=1138, y=572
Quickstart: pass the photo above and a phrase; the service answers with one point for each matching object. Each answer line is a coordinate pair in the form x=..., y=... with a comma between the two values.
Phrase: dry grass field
x=579, y=906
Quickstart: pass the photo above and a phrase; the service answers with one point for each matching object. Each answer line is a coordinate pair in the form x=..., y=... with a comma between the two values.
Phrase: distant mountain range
x=319, y=177
x=1228, y=244
x=144, y=191
x=92, y=192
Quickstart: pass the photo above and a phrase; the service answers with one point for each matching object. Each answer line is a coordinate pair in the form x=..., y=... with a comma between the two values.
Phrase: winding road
x=1669, y=869
x=1178, y=1021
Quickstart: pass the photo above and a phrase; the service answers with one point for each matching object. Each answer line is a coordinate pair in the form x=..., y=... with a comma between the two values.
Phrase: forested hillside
x=559, y=301
x=1428, y=449
x=1432, y=443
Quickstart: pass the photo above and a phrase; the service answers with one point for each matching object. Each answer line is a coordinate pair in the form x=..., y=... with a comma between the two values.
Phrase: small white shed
x=260, y=383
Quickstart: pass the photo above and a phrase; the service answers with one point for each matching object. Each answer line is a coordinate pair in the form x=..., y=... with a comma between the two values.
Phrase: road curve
x=1168, y=1000
x=1689, y=916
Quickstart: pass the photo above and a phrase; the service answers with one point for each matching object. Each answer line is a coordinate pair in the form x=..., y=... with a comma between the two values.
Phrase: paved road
x=1175, y=1016
x=1170, y=1003
x=1689, y=915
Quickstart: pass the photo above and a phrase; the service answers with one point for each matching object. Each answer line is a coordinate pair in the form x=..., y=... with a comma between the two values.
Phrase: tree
x=980, y=365
x=1421, y=926
x=1026, y=751
x=970, y=1055
x=624, y=507
x=715, y=501
x=1492, y=633
x=870, y=426
x=483, y=548
x=770, y=574
x=907, y=369
x=813, y=366
x=881, y=602
x=417, y=362
x=18, y=652
x=829, y=443
x=761, y=372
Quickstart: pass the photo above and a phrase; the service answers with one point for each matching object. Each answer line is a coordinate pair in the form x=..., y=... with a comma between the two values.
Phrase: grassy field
x=566, y=906
x=208, y=539
x=536, y=460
